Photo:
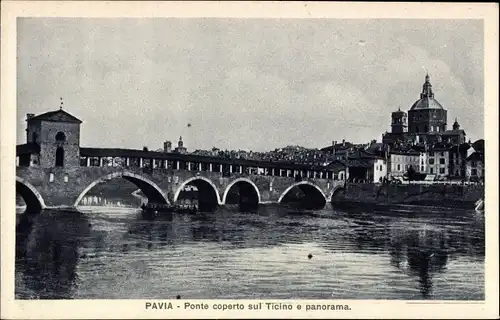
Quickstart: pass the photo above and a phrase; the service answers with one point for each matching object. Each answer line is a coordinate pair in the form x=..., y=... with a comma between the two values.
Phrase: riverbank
x=435, y=195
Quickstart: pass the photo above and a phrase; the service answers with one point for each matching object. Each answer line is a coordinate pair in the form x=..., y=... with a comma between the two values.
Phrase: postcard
x=249, y=160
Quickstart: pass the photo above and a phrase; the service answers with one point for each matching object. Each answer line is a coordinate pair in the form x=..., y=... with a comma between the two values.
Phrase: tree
x=411, y=173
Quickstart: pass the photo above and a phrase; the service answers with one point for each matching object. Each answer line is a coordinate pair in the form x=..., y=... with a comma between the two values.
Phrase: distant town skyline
x=252, y=84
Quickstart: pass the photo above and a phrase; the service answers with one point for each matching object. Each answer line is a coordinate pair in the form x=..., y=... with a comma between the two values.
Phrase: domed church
x=426, y=122
x=426, y=114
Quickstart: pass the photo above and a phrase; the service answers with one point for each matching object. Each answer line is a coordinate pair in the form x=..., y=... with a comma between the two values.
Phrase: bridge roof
x=134, y=153
x=27, y=148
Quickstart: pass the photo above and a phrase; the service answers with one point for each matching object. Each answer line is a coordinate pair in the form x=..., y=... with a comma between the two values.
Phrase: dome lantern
x=427, y=100
x=456, y=126
x=427, y=88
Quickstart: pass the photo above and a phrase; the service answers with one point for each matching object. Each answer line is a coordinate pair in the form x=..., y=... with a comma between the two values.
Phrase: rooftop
x=475, y=156
x=478, y=145
x=56, y=116
x=453, y=132
x=115, y=152
x=426, y=103
x=426, y=100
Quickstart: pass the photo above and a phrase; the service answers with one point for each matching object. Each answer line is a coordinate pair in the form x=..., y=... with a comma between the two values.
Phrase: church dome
x=426, y=103
x=426, y=100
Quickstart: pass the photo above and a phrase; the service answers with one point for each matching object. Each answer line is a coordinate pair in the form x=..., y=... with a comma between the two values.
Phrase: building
x=360, y=166
x=438, y=161
x=180, y=147
x=400, y=162
x=339, y=169
x=474, y=163
x=443, y=152
x=167, y=146
x=426, y=116
x=339, y=151
x=477, y=146
x=380, y=170
x=475, y=166
x=456, y=136
x=52, y=140
x=426, y=122
x=458, y=154
x=422, y=159
x=361, y=162
x=399, y=122
x=399, y=129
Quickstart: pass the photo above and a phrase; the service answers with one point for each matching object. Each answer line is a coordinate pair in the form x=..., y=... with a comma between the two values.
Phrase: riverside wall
x=446, y=195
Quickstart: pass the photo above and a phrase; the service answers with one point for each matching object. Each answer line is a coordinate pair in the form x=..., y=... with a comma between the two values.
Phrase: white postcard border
x=67, y=309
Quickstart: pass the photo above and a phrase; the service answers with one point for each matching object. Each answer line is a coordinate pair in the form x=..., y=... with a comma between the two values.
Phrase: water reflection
x=156, y=235
x=58, y=247
x=421, y=253
x=127, y=201
x=50, y=253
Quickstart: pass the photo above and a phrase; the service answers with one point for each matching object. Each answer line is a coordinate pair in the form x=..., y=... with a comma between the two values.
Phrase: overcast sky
x=245, y=83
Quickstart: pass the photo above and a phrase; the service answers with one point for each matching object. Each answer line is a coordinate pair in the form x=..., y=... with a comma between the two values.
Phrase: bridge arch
x=308, y=188
x=200, y=183
x=239, y=180
x=148, y=187
x=31, y=196
x=336, y=192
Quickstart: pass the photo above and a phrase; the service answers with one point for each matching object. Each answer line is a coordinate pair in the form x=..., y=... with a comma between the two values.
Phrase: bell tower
x=180, y=147
x=399, y=122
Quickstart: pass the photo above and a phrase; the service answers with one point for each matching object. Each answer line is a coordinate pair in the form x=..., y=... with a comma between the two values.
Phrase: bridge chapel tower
x=56, y=137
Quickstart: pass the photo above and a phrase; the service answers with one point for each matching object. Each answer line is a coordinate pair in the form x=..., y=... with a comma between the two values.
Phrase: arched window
x=60, y=136
x=60, y=157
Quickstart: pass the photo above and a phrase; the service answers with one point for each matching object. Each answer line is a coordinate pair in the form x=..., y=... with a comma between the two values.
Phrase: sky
x=252, y=84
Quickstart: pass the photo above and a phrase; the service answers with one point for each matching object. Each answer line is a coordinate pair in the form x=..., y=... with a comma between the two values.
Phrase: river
x=275, y=253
